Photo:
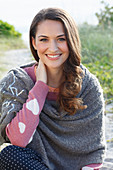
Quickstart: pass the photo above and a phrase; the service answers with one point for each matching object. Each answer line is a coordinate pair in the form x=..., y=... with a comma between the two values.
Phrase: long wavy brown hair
x=72, y=71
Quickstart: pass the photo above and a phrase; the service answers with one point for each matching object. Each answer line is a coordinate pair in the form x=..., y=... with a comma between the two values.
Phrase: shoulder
x=16, y=78
x=91, y=88
x=88, y=75
x=90, y=81
x=91, y=94
x=29, y=68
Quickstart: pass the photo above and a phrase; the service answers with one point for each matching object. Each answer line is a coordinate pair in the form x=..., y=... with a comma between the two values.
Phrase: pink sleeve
x=21, y=129
x=92, y=167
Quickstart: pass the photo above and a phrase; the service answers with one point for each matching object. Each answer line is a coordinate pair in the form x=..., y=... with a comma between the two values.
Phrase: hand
x=41, y=72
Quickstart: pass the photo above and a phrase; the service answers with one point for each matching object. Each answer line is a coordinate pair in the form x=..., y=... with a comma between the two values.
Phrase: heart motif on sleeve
x=33, y=106
x=22, y=127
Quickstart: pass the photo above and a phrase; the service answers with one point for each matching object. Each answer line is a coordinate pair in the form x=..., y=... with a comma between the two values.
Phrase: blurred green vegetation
x=9, y=37
x=97, y=55
x=9, y=43
x=8, y=30
x=105, y=15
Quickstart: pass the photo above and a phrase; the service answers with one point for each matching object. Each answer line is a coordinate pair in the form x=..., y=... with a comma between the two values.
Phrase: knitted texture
x=64, y=142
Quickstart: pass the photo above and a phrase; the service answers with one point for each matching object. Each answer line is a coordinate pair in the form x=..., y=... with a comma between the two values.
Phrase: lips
x=53, y=57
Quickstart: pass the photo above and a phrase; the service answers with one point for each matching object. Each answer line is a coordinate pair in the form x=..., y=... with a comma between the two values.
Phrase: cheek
x=64, y=48
x=41, y=48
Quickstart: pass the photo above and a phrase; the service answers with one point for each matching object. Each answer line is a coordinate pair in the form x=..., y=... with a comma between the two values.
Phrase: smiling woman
x=52, y=110
x=69, y=58
x=51, y=45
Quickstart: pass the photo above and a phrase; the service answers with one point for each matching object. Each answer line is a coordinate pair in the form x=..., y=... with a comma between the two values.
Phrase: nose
x=53, y=47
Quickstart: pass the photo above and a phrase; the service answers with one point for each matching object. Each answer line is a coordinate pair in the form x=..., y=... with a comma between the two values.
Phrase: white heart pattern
x=22, y=127
x=33, y=106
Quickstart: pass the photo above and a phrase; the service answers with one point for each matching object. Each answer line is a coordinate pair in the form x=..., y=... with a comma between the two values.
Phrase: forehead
x=50, y=27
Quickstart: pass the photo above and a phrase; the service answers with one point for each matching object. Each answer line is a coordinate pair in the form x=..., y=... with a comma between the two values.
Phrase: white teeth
x=53, y=56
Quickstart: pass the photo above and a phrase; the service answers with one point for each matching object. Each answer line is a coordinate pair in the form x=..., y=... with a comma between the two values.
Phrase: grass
x=9, y=43
x=97, y=55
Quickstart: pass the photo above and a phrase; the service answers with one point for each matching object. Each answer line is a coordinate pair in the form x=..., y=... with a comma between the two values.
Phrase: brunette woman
x=52, y=110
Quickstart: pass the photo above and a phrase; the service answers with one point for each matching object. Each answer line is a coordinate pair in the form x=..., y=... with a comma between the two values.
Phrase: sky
x=20, y=13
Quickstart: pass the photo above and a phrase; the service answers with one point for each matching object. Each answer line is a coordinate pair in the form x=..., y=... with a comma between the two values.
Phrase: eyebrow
x=47, y=36
x=61, y=35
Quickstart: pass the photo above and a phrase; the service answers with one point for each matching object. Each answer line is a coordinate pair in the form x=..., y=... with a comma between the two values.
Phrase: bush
x=97, y=55
x=8, y=30
x=105, y=16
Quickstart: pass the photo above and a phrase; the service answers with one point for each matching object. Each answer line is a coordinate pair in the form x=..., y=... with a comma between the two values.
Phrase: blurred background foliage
x=8, y=30
x=105, y=16
x=9, y=37
x=97, y=49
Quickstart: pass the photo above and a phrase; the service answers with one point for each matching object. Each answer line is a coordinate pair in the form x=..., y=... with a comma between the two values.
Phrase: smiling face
x=50, y=43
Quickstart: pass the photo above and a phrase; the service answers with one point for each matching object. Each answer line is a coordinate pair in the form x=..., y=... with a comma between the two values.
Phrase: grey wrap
x=65, y=142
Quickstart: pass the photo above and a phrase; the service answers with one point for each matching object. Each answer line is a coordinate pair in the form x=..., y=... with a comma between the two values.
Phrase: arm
x=14, y=89
x=21, y=129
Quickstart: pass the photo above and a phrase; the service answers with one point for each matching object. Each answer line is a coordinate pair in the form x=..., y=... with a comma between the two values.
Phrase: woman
x=52, y=110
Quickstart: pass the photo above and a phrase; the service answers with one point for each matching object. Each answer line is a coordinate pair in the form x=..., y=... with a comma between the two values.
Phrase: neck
x=55, y=77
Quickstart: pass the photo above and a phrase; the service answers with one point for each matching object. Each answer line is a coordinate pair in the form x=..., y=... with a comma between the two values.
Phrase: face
x=50, y=43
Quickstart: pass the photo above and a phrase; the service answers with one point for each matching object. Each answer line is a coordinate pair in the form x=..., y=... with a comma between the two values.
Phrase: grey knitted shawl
x=64, y=142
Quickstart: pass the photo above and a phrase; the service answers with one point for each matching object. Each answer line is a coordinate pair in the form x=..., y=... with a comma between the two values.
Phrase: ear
x=34, y=43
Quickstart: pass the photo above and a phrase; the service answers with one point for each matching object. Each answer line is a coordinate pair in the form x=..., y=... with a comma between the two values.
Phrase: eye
x=43, y=39
x=61, y=39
